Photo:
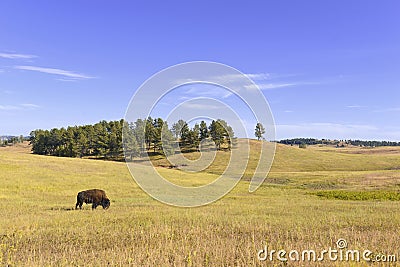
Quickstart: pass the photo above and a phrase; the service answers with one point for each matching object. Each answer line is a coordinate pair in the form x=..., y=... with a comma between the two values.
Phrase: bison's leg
x=79, y=202
x=94, y=205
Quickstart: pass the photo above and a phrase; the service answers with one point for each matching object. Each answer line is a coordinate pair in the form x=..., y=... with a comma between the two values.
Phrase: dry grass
x=38, y=226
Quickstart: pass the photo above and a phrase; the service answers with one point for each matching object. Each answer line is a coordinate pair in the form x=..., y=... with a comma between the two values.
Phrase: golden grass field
x=311, y=198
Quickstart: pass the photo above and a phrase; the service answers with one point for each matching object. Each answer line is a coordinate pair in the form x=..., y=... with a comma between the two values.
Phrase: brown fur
x=94, y=196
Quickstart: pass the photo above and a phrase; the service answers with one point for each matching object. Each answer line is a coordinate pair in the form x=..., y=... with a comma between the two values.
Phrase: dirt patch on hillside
x=390, y=150
x=24, y=148
x=374, y=151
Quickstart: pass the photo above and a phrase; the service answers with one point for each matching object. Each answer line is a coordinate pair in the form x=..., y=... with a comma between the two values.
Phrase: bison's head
x=105, y=203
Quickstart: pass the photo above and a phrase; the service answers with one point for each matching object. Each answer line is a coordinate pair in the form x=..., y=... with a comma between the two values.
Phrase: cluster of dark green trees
x=104, y=139
x=154, y=135
x=313, y=141
x=371, y=143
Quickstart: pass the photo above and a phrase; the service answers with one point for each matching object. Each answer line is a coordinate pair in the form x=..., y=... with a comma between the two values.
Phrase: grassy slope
x=39, y=227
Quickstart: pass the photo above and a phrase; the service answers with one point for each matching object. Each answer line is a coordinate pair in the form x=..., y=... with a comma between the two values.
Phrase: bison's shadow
x=62, y=208
x=89, y=207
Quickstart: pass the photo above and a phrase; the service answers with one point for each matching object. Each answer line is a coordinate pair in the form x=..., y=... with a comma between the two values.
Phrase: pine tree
x=168, y=140
x=139, y=130
x=203, y=130
x=130, y=144
x=149, y=132
x=259, y=131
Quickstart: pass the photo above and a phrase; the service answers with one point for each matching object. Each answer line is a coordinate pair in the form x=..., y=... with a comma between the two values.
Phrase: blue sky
x=329, y=69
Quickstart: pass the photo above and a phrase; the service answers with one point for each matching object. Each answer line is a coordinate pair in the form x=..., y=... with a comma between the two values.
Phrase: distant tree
x=157, y=131
x=115, y=138
x=192, y=137
x=72, y=146
x=168, y=142
x=259, y=131
x=229, y=135
x=203, y=130
x=178, y=128
x=302, y=145
x=91, y=139
x=130, y=144
x=221, y=133
x=101, y=134
x=81, y=143
x=139, y=130
x=149, y=132
x=184, y=134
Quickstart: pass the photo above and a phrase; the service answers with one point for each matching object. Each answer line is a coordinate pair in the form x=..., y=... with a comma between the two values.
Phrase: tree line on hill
x=11, y=140
x=313, y=141
x=104, y=139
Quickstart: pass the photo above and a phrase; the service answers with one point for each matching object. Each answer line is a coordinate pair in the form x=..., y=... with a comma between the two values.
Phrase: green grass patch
x=358, y=195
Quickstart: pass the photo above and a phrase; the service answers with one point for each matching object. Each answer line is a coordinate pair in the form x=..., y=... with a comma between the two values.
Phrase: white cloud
x=354, y=106
x=16, y=56
x=234, y=78
x=190, y=105
x=27, y=106
x=259, y=76
x=214, y=92
x=65, y=73
x=8, y=107
x=269, y=86
x=227, y=78
x=394, y=109
x=66, y=80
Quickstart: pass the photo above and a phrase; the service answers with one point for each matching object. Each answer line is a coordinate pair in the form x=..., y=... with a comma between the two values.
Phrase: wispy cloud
x=200, y=106
x=269, y=86
x=262, y=76
x=354, y=106
x=67, y=80
x=227, y=78
x=259, y=76
x=8, y=107
x=214, y=92
x=30, y=106
x=234, y=78
x=393, y=109
x=262, y=81
x=64, y=73
x=27, y=106
x=17, y=56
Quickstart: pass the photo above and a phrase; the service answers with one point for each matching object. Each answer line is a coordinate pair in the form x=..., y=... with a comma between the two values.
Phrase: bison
x=95, y=196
